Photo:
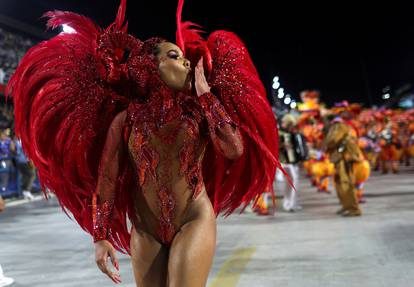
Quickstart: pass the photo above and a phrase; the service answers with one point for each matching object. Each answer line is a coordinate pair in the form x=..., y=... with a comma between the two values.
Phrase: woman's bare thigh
x=192, y=251
x=149, y=260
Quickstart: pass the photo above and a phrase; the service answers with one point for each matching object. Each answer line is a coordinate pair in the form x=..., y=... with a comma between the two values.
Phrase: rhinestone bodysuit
x=166, y=132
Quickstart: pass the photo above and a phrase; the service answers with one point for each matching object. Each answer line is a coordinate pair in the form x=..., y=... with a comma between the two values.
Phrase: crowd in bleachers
x=12, y=48
x=17, y=174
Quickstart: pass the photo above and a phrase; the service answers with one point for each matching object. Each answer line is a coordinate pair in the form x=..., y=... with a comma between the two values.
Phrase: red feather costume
x=68, y=90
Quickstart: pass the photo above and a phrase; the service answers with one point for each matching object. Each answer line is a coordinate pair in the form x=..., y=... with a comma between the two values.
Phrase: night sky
x=345, y=50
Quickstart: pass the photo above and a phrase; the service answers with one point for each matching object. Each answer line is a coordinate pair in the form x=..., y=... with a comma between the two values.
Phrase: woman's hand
x=103, y=250
x=201, y=84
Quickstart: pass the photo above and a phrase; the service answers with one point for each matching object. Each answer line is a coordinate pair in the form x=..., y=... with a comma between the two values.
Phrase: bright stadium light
x=275, y=79
x=287, y=101
x=67, y=29
x=386, y=96
x=293, y=105
x=275, y=85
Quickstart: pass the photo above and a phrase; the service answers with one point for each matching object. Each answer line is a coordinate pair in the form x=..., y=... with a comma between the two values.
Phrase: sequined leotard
x=165, y=147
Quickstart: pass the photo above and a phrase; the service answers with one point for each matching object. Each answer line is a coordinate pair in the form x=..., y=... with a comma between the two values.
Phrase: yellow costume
x=362, y=171
x=321, y=171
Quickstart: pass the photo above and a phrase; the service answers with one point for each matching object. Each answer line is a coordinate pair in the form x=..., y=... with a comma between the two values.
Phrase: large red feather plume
x=235, y=81
x=64, y=105
x=190, y=41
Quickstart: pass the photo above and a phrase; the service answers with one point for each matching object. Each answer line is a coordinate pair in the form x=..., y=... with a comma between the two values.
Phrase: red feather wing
x=64, y=106
x=236, y=83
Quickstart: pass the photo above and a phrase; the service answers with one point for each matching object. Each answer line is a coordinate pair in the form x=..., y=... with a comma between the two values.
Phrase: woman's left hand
x=201, y=84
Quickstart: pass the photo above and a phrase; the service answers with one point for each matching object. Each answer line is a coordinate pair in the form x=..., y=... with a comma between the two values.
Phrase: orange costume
x=318, y=167
x=389, y=147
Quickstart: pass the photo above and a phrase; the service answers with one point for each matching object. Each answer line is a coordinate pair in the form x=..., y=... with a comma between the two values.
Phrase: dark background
x=345, y=50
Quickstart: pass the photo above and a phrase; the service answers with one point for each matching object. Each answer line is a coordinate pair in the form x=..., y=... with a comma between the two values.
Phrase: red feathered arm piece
x=64, y=105
x=236, y=84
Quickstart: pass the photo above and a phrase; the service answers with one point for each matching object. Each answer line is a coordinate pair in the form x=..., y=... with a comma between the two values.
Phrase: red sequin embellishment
x=101, y=218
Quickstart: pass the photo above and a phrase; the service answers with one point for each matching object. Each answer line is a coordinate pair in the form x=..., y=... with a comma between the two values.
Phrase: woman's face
x=173, y=67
